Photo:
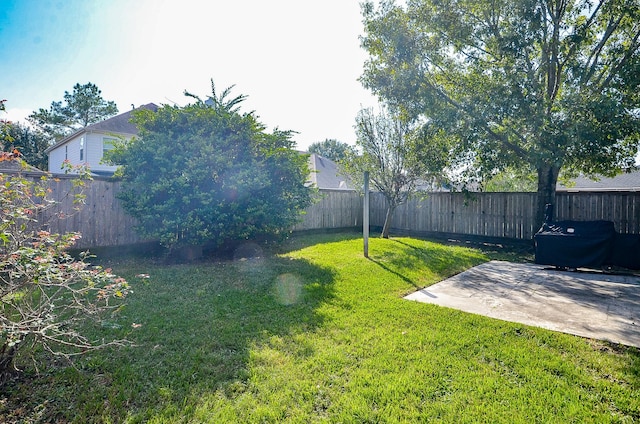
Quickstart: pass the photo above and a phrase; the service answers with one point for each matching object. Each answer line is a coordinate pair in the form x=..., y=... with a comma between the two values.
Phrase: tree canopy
x=537, y=85
x=206, y=174
x=29, y=142
x=84, y=106
x=332, y=149
x=510, y=180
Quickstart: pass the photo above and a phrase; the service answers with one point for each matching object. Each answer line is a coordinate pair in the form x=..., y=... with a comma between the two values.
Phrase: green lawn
x=320, y=334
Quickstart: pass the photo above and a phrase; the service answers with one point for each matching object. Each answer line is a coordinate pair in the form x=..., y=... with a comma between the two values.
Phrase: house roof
x=628, y=181
x=117, y=124
x=325, y=173
x=120, y=123
x=13, y=165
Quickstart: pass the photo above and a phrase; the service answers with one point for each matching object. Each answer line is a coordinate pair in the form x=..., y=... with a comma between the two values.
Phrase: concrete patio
x=586, y=303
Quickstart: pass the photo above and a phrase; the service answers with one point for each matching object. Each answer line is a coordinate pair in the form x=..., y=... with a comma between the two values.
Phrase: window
x=82, y=149
x=107, y=144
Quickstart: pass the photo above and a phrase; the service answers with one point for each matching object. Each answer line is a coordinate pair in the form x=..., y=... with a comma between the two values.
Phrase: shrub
x=45, y=294
x=205, y=174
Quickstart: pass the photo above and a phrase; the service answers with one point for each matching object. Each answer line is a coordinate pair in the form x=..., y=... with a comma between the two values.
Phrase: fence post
x=365, y=215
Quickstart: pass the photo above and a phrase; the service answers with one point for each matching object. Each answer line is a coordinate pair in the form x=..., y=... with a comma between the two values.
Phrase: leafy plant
x=45, y=293
x=207, y=174
x=31, y=143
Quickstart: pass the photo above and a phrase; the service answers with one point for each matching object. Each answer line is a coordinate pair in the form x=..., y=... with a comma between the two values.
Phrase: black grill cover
x=626, y=251
x=575, y=244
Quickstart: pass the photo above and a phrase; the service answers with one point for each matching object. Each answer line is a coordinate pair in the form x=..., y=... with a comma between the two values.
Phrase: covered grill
x=585, y=244
x=575, y=244
x=626, y=251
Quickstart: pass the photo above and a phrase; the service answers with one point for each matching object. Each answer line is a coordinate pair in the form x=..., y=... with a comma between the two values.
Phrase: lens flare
x=288, y=289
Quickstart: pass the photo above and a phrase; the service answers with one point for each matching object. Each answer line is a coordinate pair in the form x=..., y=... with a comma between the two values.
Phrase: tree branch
x=635, y=45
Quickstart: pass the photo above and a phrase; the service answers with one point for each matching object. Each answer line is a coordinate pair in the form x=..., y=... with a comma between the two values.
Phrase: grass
x=318, y=333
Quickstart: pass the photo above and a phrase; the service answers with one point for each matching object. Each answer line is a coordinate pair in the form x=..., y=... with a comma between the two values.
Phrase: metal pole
x=365, y=215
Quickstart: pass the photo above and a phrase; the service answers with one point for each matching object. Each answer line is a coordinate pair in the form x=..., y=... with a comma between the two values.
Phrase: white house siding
x=69, y=151
x=93, y=149
x=56, y=157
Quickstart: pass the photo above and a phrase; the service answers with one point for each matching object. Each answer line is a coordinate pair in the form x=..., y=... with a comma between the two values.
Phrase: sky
x=298, y=61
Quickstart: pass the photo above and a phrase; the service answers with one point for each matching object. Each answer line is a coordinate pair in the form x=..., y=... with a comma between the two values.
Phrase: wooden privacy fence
x=508, y=215
x=333, y=209
x=103, y=222
x=623, y=208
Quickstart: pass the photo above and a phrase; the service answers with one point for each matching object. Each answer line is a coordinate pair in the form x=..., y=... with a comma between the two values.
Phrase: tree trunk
x=547, y=179
x=7, y=355
x=387, y=222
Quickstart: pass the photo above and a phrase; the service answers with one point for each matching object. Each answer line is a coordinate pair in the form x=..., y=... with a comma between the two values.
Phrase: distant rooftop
x=628, y=181
x=120, y=123
x=325, y=173
x=10, y=165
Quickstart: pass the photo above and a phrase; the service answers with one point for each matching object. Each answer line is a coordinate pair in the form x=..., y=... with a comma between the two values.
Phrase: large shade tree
x=207, y=174
x=539, y=85
x=83, y=106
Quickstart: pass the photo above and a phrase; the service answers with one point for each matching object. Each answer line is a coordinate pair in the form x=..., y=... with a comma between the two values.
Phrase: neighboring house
x=325, y=174
x=87, y=146
x=628, y=181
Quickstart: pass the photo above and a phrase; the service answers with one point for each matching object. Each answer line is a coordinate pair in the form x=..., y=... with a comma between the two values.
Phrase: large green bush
x=205, y=174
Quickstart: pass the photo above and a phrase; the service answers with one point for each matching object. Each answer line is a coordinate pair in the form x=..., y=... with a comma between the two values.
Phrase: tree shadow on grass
x=303, y=239
x=441, y=260
x=396, y=273
x=511, y=250
x=194, y=327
